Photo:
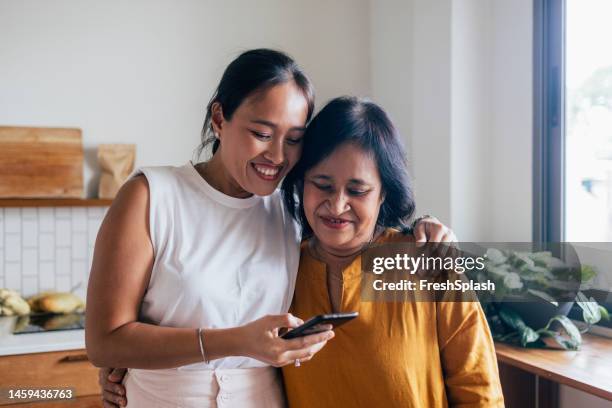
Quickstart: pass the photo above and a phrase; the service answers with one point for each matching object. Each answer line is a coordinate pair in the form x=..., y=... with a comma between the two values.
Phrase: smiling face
x=342, y=199
x=261, y=142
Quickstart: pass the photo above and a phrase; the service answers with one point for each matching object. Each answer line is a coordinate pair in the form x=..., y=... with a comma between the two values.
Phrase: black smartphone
x=317, y=324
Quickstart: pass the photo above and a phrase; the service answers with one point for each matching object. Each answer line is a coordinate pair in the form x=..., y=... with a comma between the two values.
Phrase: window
x=573, y=132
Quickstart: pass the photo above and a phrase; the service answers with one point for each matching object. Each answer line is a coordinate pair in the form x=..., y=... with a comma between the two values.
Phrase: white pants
x=239, y=387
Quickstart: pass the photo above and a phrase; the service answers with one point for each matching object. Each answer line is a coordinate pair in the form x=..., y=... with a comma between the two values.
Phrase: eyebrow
x=328, y=178
x=273, y=126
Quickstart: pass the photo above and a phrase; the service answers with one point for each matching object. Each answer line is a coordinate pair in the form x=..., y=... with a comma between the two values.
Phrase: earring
x=216, y=135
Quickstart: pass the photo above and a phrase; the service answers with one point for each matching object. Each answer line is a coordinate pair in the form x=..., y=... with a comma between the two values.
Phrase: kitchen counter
x=42, y=342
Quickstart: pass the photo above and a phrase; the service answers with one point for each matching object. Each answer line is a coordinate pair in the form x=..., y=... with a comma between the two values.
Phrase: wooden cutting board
x=41, y=162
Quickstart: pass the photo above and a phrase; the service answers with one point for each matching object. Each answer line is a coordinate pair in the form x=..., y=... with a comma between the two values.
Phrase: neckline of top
x=217, y=195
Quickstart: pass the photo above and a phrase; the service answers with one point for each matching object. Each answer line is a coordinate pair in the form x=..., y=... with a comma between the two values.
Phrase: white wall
x=511, y=132
x=431, y=106
x=391, y=63
x=142, y=71
x=456, y=76
x=470, y=123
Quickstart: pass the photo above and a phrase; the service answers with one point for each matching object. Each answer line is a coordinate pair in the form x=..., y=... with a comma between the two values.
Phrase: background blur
x=455, y=75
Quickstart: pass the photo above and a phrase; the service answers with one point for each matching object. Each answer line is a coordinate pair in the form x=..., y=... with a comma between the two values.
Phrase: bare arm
x=123, y=259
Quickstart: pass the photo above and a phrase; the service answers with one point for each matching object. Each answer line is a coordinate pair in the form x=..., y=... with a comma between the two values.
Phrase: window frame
x=549, y=120
x=549, y=36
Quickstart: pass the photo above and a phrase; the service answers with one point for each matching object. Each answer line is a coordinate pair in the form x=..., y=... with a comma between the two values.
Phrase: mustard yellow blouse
x=395, y=354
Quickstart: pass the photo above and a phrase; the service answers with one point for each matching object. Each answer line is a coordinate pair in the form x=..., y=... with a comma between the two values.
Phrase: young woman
x=194, y=266
x=354, y=191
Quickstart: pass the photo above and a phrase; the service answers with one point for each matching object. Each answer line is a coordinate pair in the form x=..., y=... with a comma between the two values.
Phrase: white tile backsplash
x=12, y=276
x=29, y=213
x=29, y=264
x=78, y=273
x=79, y=245
x=62, y=283
x=79, y=219
x=12, y=247
x=46, y=276
x=30, y=232
x=30, y=285
x=46, y=219
x=62, y=213
x=63, y=234
x=12, y=220
x=62, y=261
x=93, y=225
x=47, y=248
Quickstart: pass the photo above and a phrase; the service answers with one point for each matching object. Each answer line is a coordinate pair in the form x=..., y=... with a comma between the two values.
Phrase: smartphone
x=317, y=324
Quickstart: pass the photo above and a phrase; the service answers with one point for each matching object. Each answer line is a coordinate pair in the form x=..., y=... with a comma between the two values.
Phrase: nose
x=275, y=152
x=338, y=203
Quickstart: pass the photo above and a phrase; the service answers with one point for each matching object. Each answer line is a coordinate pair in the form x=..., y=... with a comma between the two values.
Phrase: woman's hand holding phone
x=262, y=341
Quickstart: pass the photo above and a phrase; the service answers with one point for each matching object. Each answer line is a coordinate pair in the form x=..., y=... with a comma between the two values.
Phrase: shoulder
x=131, y=200
x=162, y=174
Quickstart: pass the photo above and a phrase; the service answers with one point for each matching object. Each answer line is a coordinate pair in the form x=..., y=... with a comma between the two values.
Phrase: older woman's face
x=342, y=198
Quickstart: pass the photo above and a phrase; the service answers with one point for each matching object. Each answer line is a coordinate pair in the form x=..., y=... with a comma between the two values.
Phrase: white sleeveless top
x=220, y=261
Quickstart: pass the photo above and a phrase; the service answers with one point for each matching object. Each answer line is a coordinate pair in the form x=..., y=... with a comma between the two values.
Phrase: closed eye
x=323, y=187
x=260, y=135
x=294, y=141
x=357, y=192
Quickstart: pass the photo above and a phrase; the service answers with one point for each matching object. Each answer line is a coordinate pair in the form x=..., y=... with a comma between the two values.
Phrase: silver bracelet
x=202, y=346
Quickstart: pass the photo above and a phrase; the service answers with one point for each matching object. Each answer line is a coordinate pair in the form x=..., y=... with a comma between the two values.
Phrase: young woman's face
x=263, y=139
x=342, y=198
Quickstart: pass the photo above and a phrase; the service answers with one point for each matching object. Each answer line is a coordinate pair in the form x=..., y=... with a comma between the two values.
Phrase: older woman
x=353, y=186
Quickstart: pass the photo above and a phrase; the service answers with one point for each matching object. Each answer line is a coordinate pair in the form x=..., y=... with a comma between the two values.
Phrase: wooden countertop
x=588, y=369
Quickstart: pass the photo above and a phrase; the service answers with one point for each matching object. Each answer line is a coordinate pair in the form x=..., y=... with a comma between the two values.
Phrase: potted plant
x=534, y=293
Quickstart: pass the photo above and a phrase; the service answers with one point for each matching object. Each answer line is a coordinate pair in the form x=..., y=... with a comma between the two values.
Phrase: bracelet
x=202, y=346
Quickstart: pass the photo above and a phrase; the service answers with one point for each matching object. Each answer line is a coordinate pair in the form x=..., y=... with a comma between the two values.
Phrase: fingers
x=113, y=400
x=304, y=354
x=307, y=341
x=113, y=387
x=107, y=404
x=117, y=375
x=103, y=375
x=420, y=233
x=284, y=320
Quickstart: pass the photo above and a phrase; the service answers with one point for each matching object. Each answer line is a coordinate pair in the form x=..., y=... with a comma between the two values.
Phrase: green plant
x=540, y=275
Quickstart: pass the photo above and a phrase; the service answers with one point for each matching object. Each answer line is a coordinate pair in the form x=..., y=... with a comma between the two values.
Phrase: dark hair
x=253, y=71
x=362, y=122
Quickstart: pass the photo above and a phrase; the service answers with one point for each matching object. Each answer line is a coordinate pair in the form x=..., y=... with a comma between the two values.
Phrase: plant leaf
x=572, y=334
x=604, y=313
x=591, y=312
x=528, y=335
x=587, y=273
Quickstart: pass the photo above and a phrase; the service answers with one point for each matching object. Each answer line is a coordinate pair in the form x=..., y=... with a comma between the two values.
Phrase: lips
x=335, y=223
x=266, y=171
